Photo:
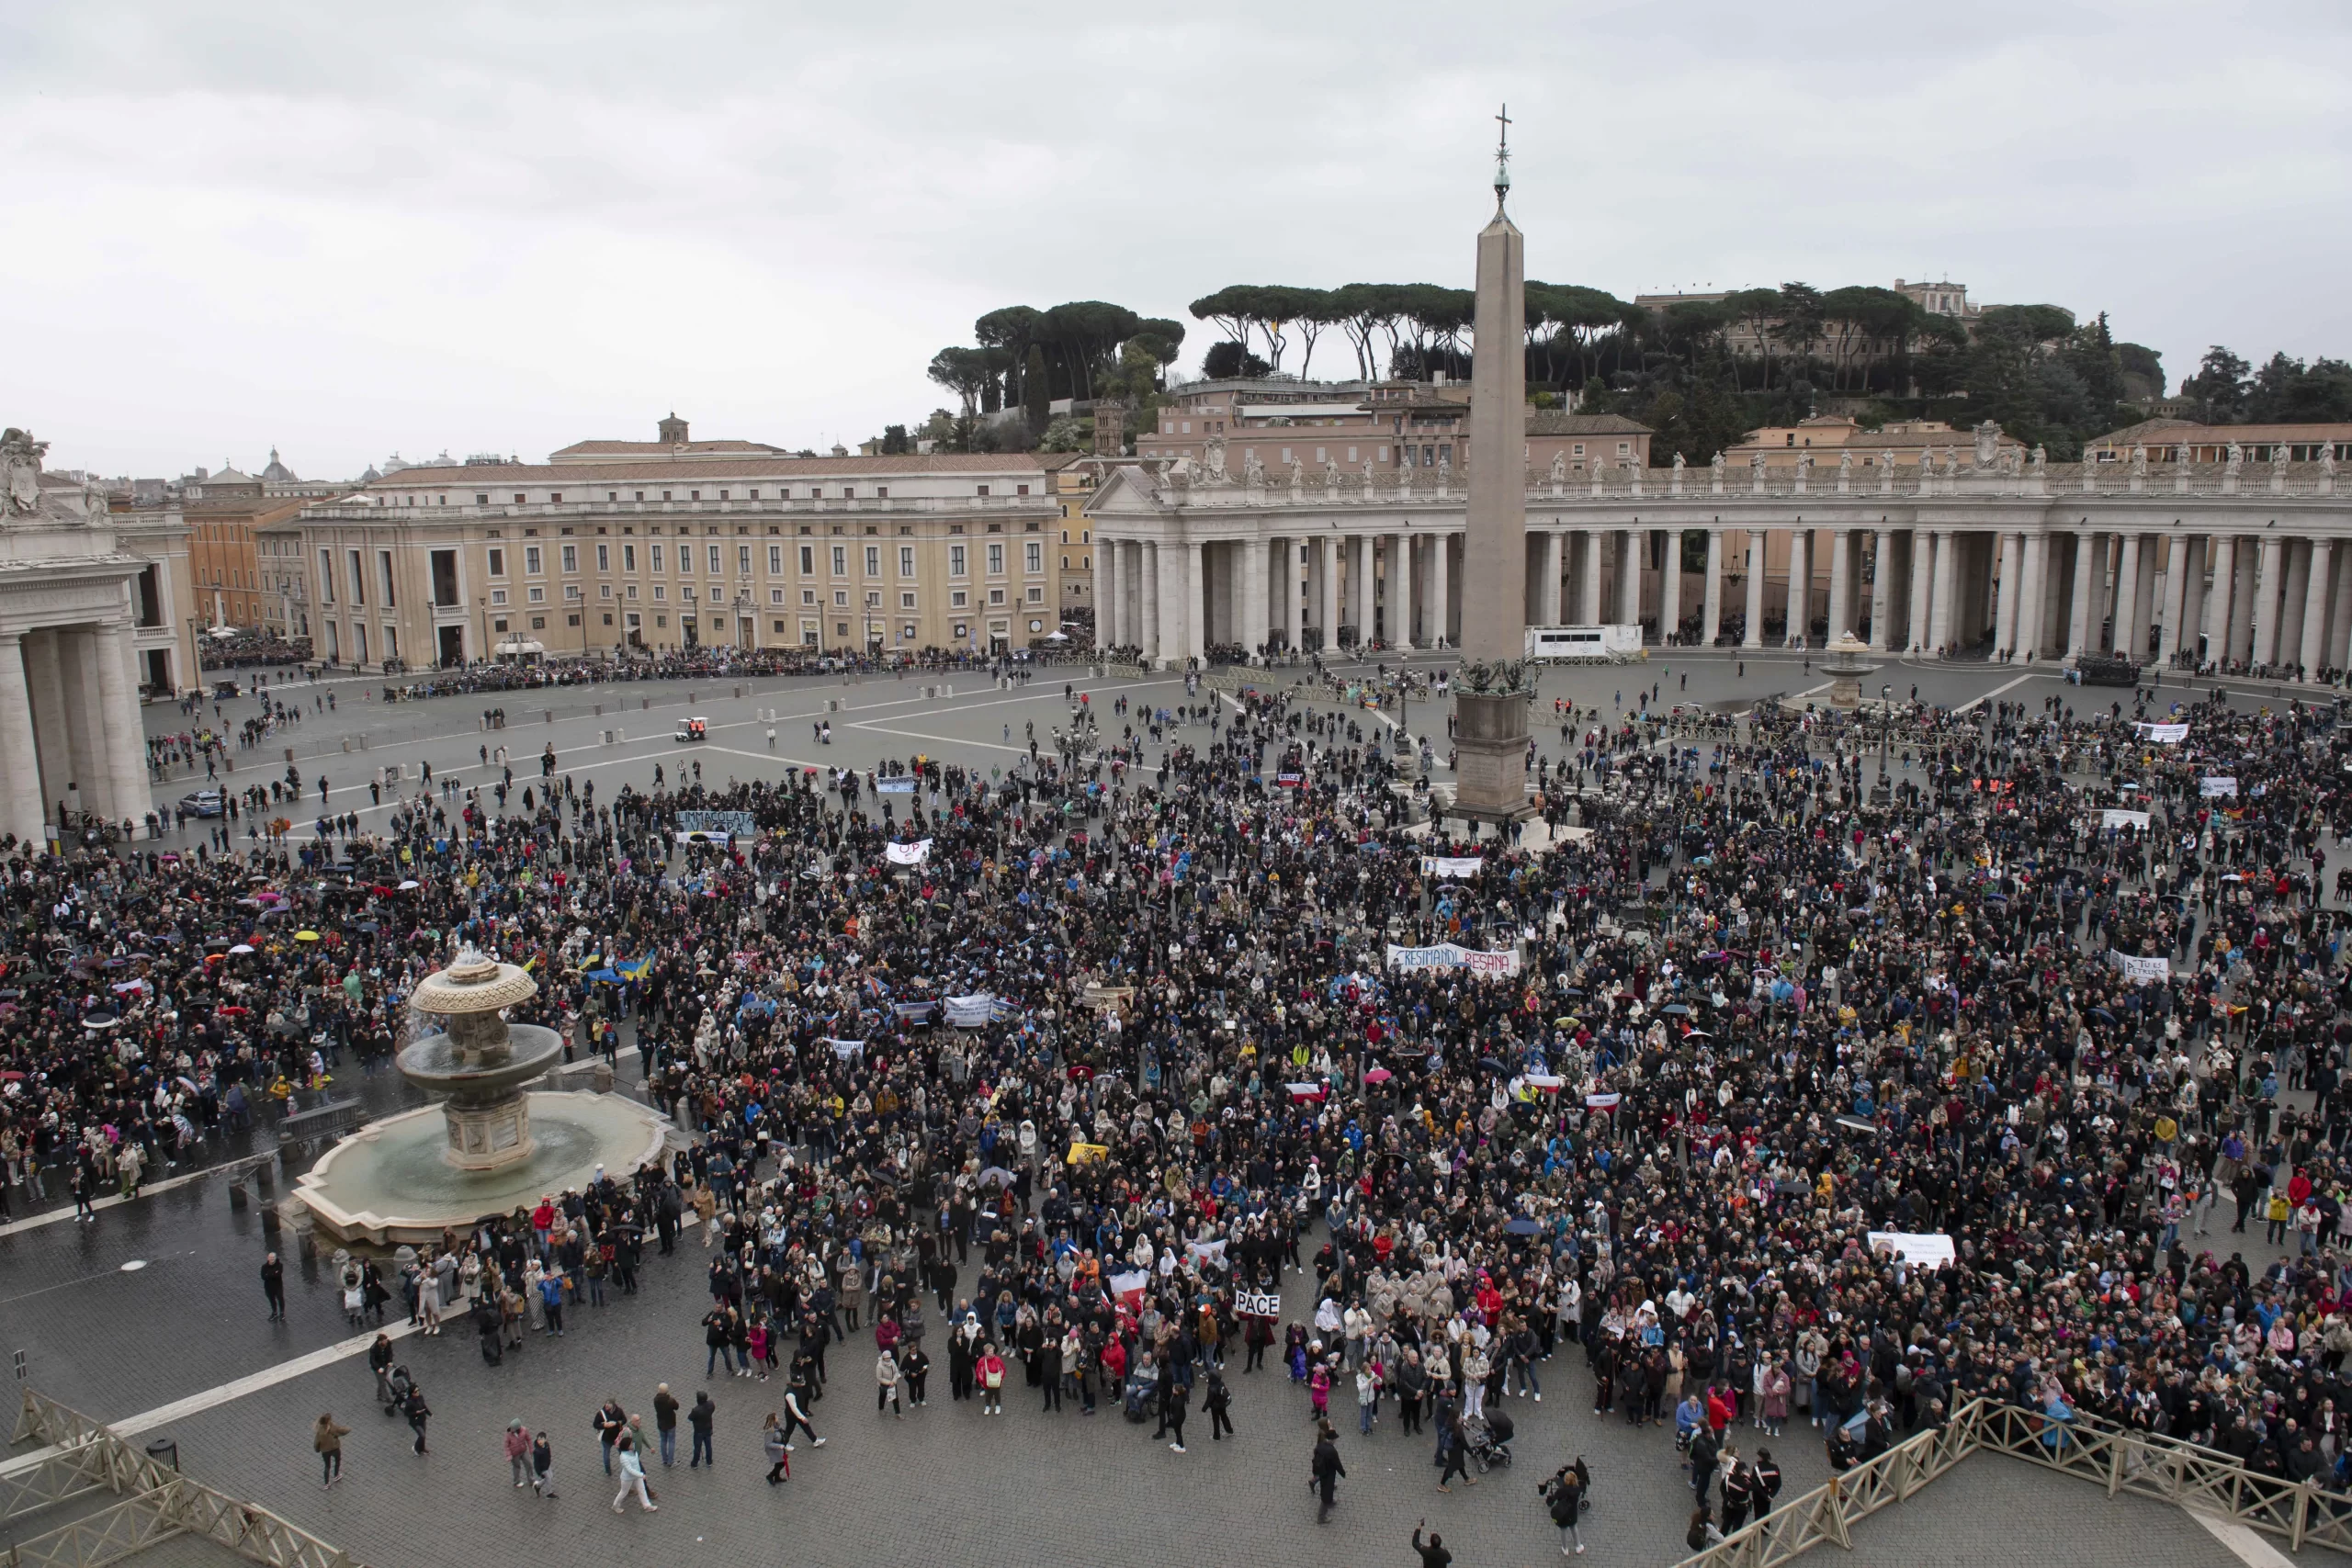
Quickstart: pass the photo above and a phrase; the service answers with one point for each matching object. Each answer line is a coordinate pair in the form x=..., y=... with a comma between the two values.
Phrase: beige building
x=2178, y=440
x=617, y=546
x=1829, y=439
x=1392, y=425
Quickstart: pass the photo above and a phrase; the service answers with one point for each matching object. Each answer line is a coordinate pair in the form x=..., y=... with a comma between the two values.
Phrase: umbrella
x=1378, y=1075
x=306, y=936
x=410, y=886
x=1675, y=1007
x=100, y=1020
x=1523, y=1228
x=1491, y=1065
x=243, y=947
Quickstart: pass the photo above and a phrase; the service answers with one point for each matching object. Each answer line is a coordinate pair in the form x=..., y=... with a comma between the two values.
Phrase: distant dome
x=278, y=470
x=371, y=476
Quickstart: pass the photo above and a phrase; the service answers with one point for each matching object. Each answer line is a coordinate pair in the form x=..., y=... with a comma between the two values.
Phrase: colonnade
x=2267, y=598
x=69, y=725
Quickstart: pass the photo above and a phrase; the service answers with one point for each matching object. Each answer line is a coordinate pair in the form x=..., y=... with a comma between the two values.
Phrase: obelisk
x=1490, y=701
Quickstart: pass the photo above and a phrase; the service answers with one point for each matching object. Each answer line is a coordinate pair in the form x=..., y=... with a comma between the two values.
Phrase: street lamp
x=1885, y=726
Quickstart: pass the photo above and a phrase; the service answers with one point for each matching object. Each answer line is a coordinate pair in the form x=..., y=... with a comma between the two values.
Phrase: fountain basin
x=390, y=1182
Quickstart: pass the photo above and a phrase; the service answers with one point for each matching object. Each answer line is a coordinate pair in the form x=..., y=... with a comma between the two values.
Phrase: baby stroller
x=398, y=1385
x=1489, y=1441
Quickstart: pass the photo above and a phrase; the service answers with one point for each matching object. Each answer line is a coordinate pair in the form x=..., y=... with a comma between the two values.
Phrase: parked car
x=202, y=802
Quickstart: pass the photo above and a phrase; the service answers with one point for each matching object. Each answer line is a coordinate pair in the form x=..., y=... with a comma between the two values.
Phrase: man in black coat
x=1326, y=1471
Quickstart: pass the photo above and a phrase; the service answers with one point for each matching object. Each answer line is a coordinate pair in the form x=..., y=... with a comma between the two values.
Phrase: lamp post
x=481, y=604
x=1885, y=729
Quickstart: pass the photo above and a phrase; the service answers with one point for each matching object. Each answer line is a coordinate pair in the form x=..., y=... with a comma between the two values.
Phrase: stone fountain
x=490, y=1144
x=1845, y=669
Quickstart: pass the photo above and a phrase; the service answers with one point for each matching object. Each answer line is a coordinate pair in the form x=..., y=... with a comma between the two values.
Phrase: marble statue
x=1845, y=467
x=1988, y=444
x=1804, y=464
x=1756, y=464
x=20, y=458
x=1951, y=461
x=1677, y=462
x=1560, y=468
x=1367, y=478
x=2138, y=460
x=2040, y=461
x=1330, y=476
x=2236, y=460
x=1716, y=464
x=1297, y=474
x=1444, y=470
x=2281, y=454
x=2327, y=459
x=1215, y=452
x=1254, y=474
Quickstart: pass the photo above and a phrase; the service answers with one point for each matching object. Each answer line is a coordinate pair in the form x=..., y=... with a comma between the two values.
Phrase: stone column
x=1548, y=605
x=2174, y=618
x=2126, y=593
x=2217, y=597
x=1630, y=544
x=1108, y=605
x=1441, y=592
x=1670, y=589
x=1195, y=582
x=53, y=719
x=1363, y=588
x=1800, y=603
x=1148, y=603
x=1940, y=603
x=2088, y=562
x=125, y=763
x=1711, y=599
x=1841, y=567
x=2244, y=581
x=2266, y=601
x=21, y=810
x=2312, y=654
x=1400, y=592
x=2005, y=596
x=2334, y=653
x=2144, y=603
x=1923, y=564
x=1588, y=579
x=1326, y=598
x=1757, y=547
x=1882, y=583
x=1286, y=583
x=2295, y=590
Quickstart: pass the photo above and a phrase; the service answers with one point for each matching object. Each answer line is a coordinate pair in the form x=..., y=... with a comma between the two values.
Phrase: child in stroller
x=1489, y=1439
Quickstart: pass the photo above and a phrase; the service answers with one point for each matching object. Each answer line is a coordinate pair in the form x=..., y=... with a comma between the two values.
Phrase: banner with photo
x=2116, y=818
x=908, y=854
x=1450, y=865
x=2213, y=785
x=970, y=1012
x=734, y=824
x=2168, y=734
x=2141, y=971
x=902, y=784
x=1929, y=1250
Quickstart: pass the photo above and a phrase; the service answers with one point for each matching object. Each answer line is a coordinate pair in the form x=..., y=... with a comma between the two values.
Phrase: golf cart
x=697, y=729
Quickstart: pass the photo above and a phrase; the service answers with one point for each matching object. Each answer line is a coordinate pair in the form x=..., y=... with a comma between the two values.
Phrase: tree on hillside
x=2288, y=392
x=2218, y=389
x=963, y=371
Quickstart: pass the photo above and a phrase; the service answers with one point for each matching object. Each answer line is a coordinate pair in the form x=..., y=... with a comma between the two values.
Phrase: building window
x=531, y=559
x=995, y=560
x=905, y=601
x=776, y=559
x=539, y=623
x=742, y=559
x=905, y=560
x=1037, y=594
x=1033, y=556
x=538, y=596
x=384, y=576
x=711, y=555
x=497, y=562
x=996, y=595
x=841, y=597
x=629, y=558
x=571, y=557
x=498, y=596
x=873, y=561
x=955, y=561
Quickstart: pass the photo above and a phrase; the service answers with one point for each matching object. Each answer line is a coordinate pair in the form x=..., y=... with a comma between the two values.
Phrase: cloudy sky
x=344, y=230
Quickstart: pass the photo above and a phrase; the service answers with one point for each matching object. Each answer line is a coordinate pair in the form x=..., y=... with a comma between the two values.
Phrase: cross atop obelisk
x=1490, y=709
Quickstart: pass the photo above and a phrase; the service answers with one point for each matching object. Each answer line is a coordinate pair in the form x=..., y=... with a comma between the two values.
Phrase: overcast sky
x=344, y=230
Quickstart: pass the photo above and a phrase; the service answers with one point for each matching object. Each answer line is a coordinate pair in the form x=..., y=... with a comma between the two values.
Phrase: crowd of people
x=1051, y=1074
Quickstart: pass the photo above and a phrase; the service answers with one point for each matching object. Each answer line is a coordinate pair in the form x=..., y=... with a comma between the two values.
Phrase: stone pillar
x=2126, y=593
x=1941, y=586
x=21, y=810
x=1363, y=588
x=53, y=719
x=1548, y=604
x=2174, y=614
x=1711, y=599
x=2313, y=652
x=2265, y=647
x=2218, y=596
x=1148, y=603
x=1588, y=579
x=1441, y=592
x=1757, y=546
x=1327, y=590
x=1109, y=605
x=1400, y=592
x=2334, y=653
x=2005, y=599
x=2296, y=591
x=1669, y=588
x=2143, y=602
x=1923, y=563
x=125, y=765
x=84, y=738
x=2197, y=558
x=2087, y=575
x=1841, y=567
x=1195, y=582
x=1882, y=583
x=1800, y=602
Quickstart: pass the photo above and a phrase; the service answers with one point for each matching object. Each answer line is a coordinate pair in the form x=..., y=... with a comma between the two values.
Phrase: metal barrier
x=2086, y=1447
x=159, y=1501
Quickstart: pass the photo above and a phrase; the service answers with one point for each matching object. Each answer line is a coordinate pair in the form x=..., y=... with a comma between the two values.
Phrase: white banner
x=2114, y=817
x=1602, y=1101
x=1931, y=1249
x=970, y=1012
x=2217, y=783
x=1447, y=956
x=908, y=854
x=1257, y=1304
x=2169, y=734
x=2141, y=971
x=1450, y=865
x=845, y=1049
